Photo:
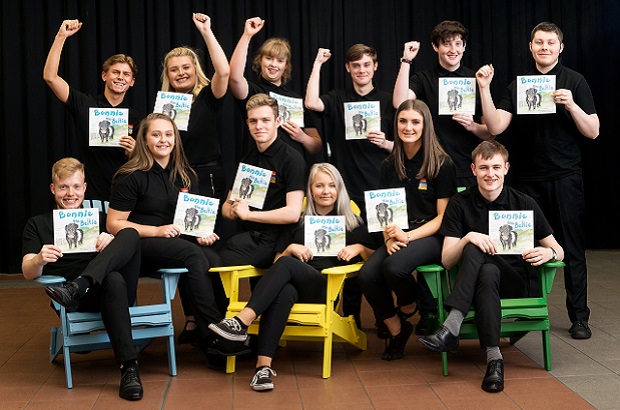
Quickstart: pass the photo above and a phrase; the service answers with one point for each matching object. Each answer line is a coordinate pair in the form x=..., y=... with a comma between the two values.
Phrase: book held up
x=177, y=106
x=76, y=230
x=457, y=95
x=251, y=183
x=512, y=231
x=289, y=108
x=535, y=94
x=360, y=118
x=195, y=215
x=324, y=235
x=385, y=207
x=106, y=126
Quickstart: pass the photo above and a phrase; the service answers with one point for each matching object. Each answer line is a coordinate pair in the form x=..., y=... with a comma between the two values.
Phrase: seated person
x=484, y=276
x=103, y=281
x=296, y=274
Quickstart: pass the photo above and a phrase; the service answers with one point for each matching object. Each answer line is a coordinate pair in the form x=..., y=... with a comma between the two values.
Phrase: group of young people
x=427, y=154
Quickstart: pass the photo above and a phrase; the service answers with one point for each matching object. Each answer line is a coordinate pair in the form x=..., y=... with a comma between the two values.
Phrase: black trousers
x=115, y=272
x=562, y=201
x=383, y=274
x=285, y=283
x=482, y=280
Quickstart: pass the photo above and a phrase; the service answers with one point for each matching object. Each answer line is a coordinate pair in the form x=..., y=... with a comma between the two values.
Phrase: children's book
x=106, y=126
x=457, y=95
x=360, y=118
x=290, y=108
x=176, y=105
x=325, y=235
x=251, y=183
x=385, y=207
x=195, y=214
x=76, y=230
x=535, y=94
x=512, y=231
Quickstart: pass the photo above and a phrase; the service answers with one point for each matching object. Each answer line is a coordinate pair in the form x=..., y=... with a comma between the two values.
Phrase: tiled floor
x=586, y=374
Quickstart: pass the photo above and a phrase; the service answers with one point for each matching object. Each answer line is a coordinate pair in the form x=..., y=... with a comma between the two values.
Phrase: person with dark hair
x=484, y=276
x=118, y=74
x=547, y=157
x=272, y=66
x=103, y=281
x=296, y=275
x=420, y=165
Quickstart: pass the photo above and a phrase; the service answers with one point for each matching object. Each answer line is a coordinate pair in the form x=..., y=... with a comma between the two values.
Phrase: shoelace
x=232, y=323
x=263, y=373
x=130, y=374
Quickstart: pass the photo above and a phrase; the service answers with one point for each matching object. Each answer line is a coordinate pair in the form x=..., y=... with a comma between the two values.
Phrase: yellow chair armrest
x=343, y=270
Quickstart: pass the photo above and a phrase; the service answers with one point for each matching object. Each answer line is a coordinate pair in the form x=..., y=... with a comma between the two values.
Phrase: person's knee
x=472, y=251
x=489, y=277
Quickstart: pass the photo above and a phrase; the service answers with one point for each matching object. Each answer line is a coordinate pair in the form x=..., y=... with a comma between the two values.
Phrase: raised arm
x=219, y=81
x=402, y=91
x=238, y=83
x=496, y=120
x=50, y=72
x=312, y=101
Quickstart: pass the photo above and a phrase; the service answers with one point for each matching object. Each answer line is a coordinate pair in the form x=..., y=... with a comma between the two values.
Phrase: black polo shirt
x=295, y=234
x=101, y=162
x=288, y=174
x=456, y=140
x=547, y=145
x=468, y=211
x=359, y=161
x=39, y=231
x=422, y=195
x=148, y=195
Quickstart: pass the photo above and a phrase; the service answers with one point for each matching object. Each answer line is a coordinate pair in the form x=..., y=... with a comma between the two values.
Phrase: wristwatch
x=404, y=60
x=555, y=254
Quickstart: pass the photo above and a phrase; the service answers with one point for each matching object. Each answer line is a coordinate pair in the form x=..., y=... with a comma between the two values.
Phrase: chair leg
x=327, y=355
x=56, y=345
x=67, y=360
x=172, y=358
x=546, y=349
x=444, y=363
x=230, y=364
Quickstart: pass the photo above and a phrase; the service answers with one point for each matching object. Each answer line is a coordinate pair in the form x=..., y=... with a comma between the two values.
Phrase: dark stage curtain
x=36, y=130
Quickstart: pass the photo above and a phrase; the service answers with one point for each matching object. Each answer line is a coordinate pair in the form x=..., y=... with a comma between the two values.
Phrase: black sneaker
x=188, y=336
x=396, y=345
x=225, y=347
x=67, y=295
x=580, y=330
x=131, y=386
x=262, y=379
x=230, y=329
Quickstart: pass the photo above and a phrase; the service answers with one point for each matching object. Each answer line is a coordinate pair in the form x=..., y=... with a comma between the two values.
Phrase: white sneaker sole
x=228, y=336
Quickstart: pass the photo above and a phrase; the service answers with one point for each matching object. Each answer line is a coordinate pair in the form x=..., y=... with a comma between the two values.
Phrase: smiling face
x=450, y=52
x=546, y=48
x=490, y=174
x=324, y=192
x=69, y=190
x=263, y=125
x=160, y=140
x=181, y=74
x=118, y=78
x=362, y=71
x=272, y=69
x=410, y=127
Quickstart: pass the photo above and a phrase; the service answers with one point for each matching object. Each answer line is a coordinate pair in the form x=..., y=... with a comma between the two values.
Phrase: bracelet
x=387, y=240
x=406, y=60
x=555, y=255
x=408, y=236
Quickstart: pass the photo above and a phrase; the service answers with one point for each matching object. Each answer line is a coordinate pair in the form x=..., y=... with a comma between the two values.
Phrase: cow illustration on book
x=385, y=215
x=192, y=219
x=360, y=125
x=455, y=100
x=533, y=98
x=246, y=188
x=106, y=130
x=507, y=236
x=74, y=235
x=169, y=110
x=322, y=240
x=284, y=113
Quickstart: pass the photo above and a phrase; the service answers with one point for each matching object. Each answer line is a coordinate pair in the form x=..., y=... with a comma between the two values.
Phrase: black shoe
x=441, y=340
x=188, y=336
x=382, y=330
x=215, y=361
x=420, y=328
x=580, y=330
x=396, y=345
x=67, y=295
x=230, y=329
x=493, y=381
x=262, y=379
x=131, y=386
x=225, y=347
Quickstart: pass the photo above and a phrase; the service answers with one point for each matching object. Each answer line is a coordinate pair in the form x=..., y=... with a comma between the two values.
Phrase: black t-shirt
x=359, y=161
x=422, y=194
x=456, y=140
x=101, y=162
x=295, y=234
x=547, y=145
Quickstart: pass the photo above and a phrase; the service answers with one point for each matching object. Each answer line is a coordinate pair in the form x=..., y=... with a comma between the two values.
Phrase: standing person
x=144, y=197
x=547, y=157
x=272, y=67
x=459, y=133
x=483, y=276
x=118, y=74
x=420, y=165
x=104, y=281
x=296, y=275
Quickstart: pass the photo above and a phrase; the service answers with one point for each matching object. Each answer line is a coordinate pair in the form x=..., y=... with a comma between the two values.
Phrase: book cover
x=385, y=207
x=535, y=94
x=195, y=214
x=512, y=231
x=251, y=183
x=177, y=106
x=290, y=108
x=76, y=230
x=106, y=126
x=457, y=95
x=325, y=235
x=360, y=118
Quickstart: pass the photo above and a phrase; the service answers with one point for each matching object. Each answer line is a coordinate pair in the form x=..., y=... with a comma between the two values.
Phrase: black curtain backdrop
x=36, y=130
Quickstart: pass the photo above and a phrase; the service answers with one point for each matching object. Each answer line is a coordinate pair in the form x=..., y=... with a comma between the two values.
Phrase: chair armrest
x=348, y=270
x=46, y=280
x=230, y=276
x=546, y=275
